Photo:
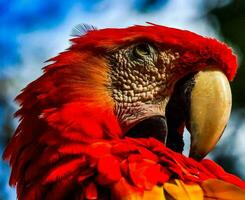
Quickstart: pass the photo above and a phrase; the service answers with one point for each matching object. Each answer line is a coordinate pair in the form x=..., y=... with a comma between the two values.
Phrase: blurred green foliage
x=232, y=26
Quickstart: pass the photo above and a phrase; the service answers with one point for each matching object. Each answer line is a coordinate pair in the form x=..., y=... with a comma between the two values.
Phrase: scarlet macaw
x=106, y=119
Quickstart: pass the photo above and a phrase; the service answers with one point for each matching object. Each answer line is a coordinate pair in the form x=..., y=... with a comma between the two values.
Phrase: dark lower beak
x=155, y=126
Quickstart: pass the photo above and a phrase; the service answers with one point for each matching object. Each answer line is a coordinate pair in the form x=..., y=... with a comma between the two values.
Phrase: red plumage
x=69, y=140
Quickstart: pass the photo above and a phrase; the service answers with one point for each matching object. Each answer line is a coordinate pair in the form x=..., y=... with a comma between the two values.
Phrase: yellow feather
x=211, y=189
x=217, y=189
x=156, y=193
x=181, y=191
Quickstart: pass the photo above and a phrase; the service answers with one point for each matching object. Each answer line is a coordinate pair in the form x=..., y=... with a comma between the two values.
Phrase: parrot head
x=107, y=96
x=156, y=80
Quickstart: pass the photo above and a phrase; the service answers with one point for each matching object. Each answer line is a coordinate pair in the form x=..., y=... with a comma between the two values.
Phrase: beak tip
x=196, y=156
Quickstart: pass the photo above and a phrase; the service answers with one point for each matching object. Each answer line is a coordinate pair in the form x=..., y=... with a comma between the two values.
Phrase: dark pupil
x=142, y=49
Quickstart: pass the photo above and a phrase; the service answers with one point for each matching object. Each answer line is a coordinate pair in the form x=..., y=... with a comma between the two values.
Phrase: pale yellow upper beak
x=210, y=107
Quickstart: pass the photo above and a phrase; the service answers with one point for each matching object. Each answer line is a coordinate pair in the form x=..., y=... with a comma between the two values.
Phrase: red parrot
x=106, y=119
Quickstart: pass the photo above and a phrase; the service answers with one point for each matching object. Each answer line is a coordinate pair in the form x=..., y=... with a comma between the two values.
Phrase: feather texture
x=82, y=29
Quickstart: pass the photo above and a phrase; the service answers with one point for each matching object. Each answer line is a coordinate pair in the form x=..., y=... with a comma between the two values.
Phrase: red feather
x=64, y=169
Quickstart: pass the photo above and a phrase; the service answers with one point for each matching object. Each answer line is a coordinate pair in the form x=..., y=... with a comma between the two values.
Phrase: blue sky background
x=32, y=31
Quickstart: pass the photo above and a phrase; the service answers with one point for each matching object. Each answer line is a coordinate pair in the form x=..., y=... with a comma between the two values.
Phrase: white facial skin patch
x=139, y=76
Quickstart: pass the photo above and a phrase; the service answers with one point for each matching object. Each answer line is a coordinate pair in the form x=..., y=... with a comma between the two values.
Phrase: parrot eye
x=141, y=50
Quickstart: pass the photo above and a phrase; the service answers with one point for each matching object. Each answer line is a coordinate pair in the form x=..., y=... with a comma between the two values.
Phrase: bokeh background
x=31, y=31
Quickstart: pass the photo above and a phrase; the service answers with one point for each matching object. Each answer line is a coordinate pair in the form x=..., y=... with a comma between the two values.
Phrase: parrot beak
x=201, y=102
x=210, y=107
